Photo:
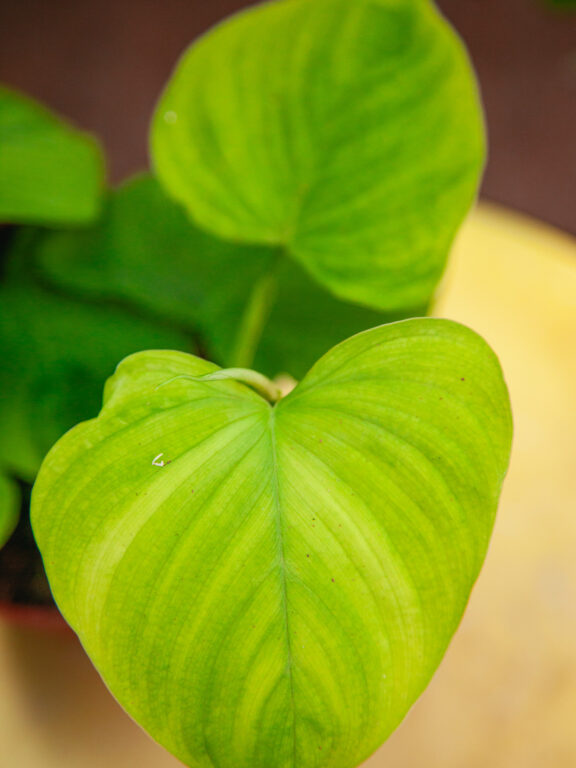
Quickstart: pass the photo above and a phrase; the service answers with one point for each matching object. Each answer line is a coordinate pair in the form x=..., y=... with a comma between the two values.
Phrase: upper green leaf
x=9, y=507
x=49, y=172
x=274, y=585
x=348, y=133
x=145, y=250
x=56, y=354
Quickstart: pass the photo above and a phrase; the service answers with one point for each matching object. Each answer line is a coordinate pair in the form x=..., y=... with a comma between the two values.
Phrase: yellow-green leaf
x=273, y=585
x=348, y=133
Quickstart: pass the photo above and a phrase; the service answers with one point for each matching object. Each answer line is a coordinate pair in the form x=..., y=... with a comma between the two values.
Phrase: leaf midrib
x=280, y=536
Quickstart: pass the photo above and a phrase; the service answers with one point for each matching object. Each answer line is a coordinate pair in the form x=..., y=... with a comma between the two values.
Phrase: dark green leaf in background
x=9, y=507
x=347, y=133
x=568, y=4
x=49, y=172
x=306, y=321
x=56, y=354
x=274, y=586
x=146, y=252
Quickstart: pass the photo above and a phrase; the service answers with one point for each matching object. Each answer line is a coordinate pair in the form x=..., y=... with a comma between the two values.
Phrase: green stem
x=266, y=388
x=255, y=317
x=269, y=390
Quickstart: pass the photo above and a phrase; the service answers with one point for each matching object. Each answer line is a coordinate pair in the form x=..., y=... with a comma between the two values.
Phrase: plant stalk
x=267, y=389
x=255, y=317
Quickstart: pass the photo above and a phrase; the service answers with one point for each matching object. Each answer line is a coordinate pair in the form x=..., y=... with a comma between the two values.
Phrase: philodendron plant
x=269, y=581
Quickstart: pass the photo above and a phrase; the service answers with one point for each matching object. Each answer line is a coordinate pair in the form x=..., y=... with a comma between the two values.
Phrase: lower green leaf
x=273, y=585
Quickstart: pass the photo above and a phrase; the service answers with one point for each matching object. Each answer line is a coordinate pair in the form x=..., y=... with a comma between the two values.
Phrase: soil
x=22, y=577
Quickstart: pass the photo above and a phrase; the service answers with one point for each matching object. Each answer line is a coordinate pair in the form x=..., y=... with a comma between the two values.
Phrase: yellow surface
x=505, y=696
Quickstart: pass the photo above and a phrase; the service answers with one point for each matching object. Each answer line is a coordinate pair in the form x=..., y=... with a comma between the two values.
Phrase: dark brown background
x=103, y=63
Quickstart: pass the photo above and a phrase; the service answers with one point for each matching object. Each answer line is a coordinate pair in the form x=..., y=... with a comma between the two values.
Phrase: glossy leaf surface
x=145, y=251
x=57, y=353
x=274, y=586
x=9, y=507
x=49, y=172
x=349, y=133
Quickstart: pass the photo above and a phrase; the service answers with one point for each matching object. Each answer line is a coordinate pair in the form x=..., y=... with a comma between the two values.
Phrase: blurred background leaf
x=57, y=352
x=146, y=252
x=49, y=172
x=9, y=507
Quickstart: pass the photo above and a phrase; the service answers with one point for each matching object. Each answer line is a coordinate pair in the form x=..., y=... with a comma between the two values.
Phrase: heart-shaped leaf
x=56, y=354
x=274, y=585
x=9, y=507
x=146, y=251
x=49, y=172
x=347, y=133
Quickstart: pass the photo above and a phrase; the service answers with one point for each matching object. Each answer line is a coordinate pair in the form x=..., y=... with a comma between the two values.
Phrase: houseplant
x=276, y=159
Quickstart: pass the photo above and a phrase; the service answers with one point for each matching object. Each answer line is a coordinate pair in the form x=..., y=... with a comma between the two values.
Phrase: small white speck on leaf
x=170, y=117
x=158, y=461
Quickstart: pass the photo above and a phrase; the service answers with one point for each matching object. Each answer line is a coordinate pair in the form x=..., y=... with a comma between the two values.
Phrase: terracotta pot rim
x=41, y=617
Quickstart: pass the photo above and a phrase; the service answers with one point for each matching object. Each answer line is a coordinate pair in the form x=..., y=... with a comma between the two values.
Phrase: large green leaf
x=349, y=133
x=145, y=251
x=49, y=172
x=9, y=507
x=274, y=585
x=56, y=354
